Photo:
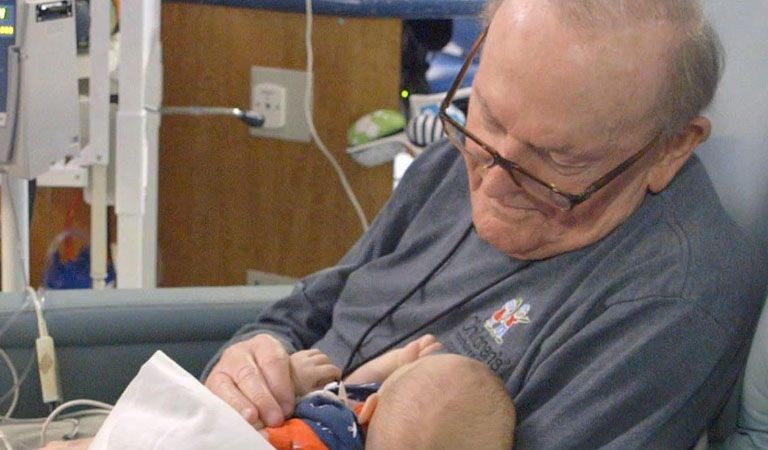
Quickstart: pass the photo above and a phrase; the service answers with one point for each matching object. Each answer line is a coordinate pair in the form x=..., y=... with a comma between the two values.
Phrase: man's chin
x=516, y=239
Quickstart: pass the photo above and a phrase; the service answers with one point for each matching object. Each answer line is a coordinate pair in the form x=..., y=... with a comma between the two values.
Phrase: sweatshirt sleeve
x=302, y=318
x=644, y=374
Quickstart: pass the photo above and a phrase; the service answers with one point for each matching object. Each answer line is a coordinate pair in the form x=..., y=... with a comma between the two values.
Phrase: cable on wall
x=311, y=123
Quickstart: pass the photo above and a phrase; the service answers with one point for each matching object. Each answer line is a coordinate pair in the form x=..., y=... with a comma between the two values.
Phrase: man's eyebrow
x=487, y=110
x=497, y=123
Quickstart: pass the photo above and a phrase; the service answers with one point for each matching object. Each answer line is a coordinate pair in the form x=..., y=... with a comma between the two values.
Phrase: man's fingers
x=252, y=384
x=253, y=376
x=274, y=363
x=224, y=387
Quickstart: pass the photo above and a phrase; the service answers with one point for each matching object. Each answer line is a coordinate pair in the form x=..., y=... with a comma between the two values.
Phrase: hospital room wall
x=229, y=202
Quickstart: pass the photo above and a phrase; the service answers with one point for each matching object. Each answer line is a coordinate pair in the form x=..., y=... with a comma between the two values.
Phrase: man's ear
x=368, y=408
x=676, y=152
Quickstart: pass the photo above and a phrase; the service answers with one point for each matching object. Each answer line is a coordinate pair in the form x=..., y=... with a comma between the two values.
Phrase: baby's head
x=440, y=402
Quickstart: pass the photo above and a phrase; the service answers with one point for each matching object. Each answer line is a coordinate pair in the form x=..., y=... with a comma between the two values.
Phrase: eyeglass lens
x=484, y=158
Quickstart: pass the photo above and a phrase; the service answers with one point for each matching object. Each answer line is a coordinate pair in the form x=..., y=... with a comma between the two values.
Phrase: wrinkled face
x=568, y=106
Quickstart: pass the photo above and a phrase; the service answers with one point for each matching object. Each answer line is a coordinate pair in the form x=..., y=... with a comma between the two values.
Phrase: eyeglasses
x=487, y=156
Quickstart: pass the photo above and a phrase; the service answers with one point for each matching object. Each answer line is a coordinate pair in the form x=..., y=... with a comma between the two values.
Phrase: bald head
x=615, y=12
x=695, y=56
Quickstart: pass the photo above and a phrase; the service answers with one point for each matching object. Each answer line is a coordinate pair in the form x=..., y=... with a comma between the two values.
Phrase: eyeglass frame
x=510, y=166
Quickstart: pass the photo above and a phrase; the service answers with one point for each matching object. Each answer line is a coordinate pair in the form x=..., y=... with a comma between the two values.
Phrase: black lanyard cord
x=346, y=371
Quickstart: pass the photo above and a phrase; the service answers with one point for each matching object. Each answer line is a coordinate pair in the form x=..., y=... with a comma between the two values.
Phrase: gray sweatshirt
x=632, y=342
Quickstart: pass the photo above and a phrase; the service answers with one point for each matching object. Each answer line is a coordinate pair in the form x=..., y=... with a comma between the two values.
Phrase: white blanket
x=165, y=407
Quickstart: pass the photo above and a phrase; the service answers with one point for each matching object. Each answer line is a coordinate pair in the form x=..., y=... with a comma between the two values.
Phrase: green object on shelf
x=375, y=125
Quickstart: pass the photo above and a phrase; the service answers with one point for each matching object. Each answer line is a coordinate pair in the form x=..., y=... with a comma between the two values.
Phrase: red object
x=294, y=433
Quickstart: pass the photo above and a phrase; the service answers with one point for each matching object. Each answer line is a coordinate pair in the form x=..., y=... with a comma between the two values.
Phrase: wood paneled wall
x=228, y=201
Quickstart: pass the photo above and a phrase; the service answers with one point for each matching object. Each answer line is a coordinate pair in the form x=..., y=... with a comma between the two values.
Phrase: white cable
x=44, y=345
x=15, y=226
x=42, y=327
x=7, y=444
x=311, y=122
x=68, y=417
x=22, y=378
x=63, y=406
x=16, y=388
x=6, y=186
x=13, y=317
x=16, y=385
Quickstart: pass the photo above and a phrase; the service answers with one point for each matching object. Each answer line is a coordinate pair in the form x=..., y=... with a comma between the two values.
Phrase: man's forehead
x=490, y=116
x=533, y=67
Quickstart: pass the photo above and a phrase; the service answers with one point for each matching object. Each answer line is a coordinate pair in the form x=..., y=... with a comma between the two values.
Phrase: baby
x=425, y=402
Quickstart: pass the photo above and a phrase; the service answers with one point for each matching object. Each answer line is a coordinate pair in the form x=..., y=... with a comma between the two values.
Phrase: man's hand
x=254, y=377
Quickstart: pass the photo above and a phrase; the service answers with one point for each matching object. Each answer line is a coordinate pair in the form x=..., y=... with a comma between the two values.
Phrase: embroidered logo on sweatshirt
x=512, y=313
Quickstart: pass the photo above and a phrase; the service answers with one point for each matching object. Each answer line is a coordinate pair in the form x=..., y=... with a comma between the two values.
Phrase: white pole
x=98, y=186
x=96, y=154
x=137, y=140
x=15, y=233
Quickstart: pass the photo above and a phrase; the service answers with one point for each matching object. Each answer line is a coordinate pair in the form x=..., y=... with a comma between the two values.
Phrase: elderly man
x=565, y=236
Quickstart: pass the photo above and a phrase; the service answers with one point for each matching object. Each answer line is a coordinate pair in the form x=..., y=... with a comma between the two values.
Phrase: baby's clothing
x=322, y=422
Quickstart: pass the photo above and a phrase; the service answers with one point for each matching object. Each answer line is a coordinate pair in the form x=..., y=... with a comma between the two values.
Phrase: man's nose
x=498, y=183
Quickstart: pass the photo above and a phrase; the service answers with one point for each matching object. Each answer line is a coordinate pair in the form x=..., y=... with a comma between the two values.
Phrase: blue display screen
x=7, y=39
x=7, y=20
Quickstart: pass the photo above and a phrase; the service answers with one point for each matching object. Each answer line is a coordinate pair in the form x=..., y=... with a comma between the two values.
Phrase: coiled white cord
x=42, y=327
x=44, y=344
x=16, y=384
x=106, y=407
x=5, y=441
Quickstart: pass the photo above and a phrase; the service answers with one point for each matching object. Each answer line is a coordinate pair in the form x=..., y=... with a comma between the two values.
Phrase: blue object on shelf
x=75, y=274
x=445, y=64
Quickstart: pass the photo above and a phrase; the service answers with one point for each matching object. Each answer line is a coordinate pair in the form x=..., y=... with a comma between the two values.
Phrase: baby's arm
x=311, y=370
x=377, y=370
x=78, y=444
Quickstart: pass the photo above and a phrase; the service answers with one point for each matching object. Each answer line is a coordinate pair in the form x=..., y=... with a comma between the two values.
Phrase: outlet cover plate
x=294, y=82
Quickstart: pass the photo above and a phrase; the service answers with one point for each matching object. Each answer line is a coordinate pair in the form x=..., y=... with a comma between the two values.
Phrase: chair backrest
x=752, y=425
x=736, y=155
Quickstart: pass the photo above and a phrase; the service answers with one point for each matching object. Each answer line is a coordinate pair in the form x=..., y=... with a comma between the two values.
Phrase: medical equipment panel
x=7, y=41
x=40, y=119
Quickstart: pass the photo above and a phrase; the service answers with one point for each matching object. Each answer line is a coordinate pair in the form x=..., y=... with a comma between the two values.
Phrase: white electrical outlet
x=269, y=100
x=279, y=95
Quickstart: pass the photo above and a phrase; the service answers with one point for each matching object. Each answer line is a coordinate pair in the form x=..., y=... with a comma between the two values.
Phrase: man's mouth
x=516, y=202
